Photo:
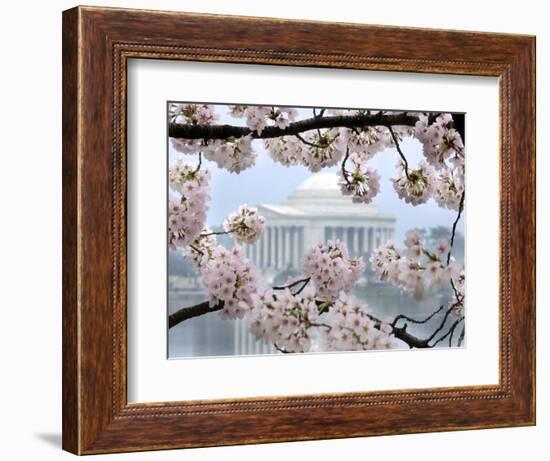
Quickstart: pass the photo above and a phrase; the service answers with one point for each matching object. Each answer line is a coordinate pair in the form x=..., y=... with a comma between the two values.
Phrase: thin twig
x=199, y=165
x=461, y=337
x=450, y=332
x=193, y=247
x=293, y=284
x=216, y=233
x=344, y=172
x=443, y=322
x=418, y=322
x=312, y=144
x=401, y=154
x=453, y=233
x=280, y=349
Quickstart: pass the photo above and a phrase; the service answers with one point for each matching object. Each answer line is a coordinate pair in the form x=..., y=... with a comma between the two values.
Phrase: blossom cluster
x=440, y=142
x=415, y=186
x=361, y=182
x=229, y=278
x=449, y=189
x=368, y=141
x=331, y=269
x=321, y=150
x=286, y=150
x=192, y=114
x=416, y=268
x=232, y=154
x=260, y=117
x=283, y=318
x=351, y=328
x=246, y=225
x=188, y=203
x=201, y=250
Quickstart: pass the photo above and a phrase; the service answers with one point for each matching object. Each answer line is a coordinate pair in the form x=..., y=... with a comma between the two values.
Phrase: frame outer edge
x=91, y=419
x=70, y=210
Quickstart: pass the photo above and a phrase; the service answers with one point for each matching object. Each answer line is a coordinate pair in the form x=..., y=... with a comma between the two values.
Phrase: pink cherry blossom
x=283, y=318
x=246, y=225
x=351, y=327
x=331, y=269
x=322, y=151
x=188, y=203
x=286, y=150
x=418, y=186
x=229, y=278
x=361, y=182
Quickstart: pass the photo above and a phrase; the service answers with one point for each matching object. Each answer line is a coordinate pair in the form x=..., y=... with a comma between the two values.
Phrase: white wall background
x=30, y=227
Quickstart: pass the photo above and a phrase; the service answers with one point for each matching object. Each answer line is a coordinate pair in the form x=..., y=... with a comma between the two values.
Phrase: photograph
x=313, y=229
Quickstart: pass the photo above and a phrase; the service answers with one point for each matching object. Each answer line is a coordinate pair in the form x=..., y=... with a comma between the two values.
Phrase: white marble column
x=356, y=250
x=263, y=239
x=279, y=247
x=298, y=246
x=287, y=247
x=267, y=261
x=369, y=240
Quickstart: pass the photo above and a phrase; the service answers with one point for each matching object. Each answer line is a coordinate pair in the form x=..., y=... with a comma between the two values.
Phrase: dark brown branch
x=181, y=131
x=344, y=171
x=450, y=332
x=401, y=154
x=443, y=322
x=402, y=334
x=461, y=337
x=199, y=164
x=308, y=143
x=216, y=233
x=418, y=322
x=280, y=349
x=186, y=313
x=293, y=284
x=453, y=233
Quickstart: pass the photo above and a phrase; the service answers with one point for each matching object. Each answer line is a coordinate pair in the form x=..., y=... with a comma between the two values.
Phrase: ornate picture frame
x=97, y=45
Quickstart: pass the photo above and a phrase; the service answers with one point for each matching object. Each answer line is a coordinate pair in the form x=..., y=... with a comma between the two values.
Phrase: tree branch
x=181, y=131
x=400, y=152
x=189, y=312
x=453, y=233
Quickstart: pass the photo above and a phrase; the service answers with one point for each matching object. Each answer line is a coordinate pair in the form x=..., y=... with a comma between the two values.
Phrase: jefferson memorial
x=315, y=212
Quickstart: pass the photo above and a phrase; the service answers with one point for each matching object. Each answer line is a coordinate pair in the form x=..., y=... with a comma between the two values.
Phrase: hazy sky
x=270, y=182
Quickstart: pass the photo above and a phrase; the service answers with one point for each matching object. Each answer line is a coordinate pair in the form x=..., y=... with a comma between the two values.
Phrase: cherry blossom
x=193, y=114
x=321, y=151
x=351, y=327
x=260, y=117
x=331, y=269
x=440, y=141
x=417, y=186
x=283, y=318
x=448, y=189
x=188, y=203
x=361, y=182
x=286, y=150
x=229, y=278
x=234, y=155
x=416, y=268
x=201, y=250
x=246, y=225
x=366, y=141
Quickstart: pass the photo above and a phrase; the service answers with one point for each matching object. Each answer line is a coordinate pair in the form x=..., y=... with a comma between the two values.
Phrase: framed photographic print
x=333, y=236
